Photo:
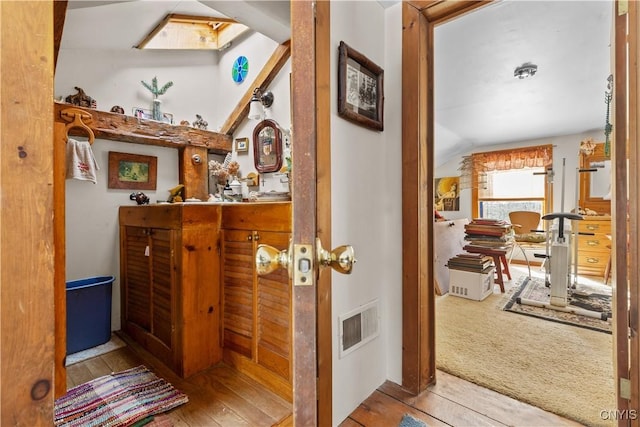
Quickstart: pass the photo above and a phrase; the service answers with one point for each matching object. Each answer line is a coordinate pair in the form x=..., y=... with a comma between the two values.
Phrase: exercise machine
x=558, y=271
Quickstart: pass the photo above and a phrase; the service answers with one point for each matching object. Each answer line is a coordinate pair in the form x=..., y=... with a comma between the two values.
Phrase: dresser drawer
x=592, y=263
x=597, y=242
x=595, y=226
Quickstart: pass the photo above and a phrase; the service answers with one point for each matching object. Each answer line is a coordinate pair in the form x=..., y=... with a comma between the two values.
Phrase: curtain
x=517, y=158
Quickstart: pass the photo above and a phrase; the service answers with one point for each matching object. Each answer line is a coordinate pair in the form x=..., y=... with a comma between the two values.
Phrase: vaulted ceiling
x=478, y=102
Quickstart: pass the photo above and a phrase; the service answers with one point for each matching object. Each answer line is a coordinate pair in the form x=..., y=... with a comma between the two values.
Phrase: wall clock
x=240, y=69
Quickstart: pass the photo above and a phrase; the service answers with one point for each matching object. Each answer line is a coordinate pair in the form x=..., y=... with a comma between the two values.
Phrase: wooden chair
x=527, y=235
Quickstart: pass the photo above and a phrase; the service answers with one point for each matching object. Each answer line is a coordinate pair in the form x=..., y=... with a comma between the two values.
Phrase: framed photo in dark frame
x=132, y=171
x=360, y=88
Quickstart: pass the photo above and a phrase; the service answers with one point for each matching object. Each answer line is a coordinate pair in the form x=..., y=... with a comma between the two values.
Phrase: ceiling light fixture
x=525, y=70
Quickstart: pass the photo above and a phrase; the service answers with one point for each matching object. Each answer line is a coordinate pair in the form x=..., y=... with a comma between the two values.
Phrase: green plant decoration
x=153, y=88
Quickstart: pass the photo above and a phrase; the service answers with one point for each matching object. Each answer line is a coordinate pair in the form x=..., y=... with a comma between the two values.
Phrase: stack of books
x=476, y=263
x=492, y=233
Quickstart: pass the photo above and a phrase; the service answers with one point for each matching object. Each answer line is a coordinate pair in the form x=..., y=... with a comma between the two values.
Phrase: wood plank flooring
x=221, y=396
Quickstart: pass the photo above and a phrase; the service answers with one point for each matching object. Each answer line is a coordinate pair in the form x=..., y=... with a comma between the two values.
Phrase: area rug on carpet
x=121, y=399
x=590, y=297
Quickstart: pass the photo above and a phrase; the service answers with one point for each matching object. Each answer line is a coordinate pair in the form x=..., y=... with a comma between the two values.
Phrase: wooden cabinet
x=257, y=309
x=170, y=289
x=593, y=253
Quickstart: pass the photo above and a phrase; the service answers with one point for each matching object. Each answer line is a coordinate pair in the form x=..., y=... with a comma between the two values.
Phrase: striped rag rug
x=120, y=399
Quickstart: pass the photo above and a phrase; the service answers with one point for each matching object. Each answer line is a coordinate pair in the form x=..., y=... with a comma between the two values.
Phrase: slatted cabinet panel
x=257, y=309
x=274, y=313
x=162, y=266
x=137, y=279
x=238, y=280
x=170, y=281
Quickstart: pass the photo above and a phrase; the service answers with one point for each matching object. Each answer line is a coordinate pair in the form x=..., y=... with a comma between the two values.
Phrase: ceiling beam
x=262, y=81
x=59, y=14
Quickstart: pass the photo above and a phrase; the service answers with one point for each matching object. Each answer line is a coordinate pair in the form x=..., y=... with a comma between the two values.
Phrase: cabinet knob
x=250, y=237
x=256, y=237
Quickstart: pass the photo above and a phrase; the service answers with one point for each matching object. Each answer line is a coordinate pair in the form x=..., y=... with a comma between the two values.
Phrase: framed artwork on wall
x=132, y=171
x=242, y=145
x=360, y=88
x=447, y=193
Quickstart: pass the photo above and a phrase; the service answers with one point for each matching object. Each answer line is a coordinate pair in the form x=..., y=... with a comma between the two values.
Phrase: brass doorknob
x=268, y=259
x=341, y=259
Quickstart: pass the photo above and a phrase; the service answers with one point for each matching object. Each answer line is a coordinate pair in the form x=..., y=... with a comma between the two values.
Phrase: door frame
x=419, y=19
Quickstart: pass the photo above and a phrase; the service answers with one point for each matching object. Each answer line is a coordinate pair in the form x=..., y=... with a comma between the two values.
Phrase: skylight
x=192, y=32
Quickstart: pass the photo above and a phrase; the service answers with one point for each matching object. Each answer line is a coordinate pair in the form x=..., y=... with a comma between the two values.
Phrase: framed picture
x=141, y=113
x=242, y=145
x=360, y=88
x=132, y=171
x=447, y=193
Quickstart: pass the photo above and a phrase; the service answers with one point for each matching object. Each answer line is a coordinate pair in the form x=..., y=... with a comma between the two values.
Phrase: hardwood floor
x=221, y=396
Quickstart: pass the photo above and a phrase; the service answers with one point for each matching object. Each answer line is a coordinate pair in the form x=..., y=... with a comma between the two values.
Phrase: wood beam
x=118, y=127
x=59, y=14
x=262, y=81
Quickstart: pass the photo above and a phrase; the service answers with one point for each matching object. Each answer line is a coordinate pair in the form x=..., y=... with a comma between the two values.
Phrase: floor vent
x=358, y=327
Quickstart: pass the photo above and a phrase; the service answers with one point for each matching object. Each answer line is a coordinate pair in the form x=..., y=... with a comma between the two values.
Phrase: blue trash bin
x=88, y=312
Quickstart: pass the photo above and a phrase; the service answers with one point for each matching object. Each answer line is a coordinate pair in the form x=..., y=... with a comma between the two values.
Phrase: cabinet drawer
x=597, y=242
x=592, y=226
x=596, y=261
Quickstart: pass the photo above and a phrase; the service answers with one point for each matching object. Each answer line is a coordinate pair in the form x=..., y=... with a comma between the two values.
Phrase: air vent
x=358, y=327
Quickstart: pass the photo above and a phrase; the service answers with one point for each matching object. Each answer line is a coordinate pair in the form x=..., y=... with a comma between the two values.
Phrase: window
x=511, y=180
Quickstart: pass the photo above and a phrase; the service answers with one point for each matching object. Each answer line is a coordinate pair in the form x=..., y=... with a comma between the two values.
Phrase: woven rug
x=590, y=297
x=121, y=399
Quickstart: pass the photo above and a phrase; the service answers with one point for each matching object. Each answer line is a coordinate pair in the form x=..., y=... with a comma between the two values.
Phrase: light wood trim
x=279, y=57
x=27, y=243
x=276, y=383
x=626, y=241
x=323, y=101
x=304, y=121
x=59, y=237
x=441, y=11
x=123, y=128
x=418, y=315
x=634, y=206
x=418, y=292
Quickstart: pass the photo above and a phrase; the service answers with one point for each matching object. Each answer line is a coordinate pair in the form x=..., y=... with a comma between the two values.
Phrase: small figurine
x=81, y=99
x=200, y=123
x=184, y=123
x=175, y=194
x=117, y=109
x=140, y=198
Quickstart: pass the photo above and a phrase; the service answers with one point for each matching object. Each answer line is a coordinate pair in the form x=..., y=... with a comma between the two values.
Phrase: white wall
x=366, y=203
x=564, y=147
x=202, y=85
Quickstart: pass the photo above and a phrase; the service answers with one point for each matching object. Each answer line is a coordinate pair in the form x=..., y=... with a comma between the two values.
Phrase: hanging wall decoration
x=240, y=69
x=360, y=88
x=447, y=193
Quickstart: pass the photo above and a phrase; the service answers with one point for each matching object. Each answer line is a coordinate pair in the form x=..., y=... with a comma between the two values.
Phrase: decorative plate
x=240, y=69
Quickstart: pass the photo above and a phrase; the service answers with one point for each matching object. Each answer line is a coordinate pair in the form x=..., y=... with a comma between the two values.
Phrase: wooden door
x=311, y=200
x=27, y=253
x=163, y=288
x=626, y=194
x=136, y=280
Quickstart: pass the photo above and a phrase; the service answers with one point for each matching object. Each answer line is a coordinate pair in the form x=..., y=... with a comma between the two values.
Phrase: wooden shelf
x=119, y=127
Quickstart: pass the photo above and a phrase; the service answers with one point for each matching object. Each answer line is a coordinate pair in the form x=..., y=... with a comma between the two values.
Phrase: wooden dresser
x=593, y=253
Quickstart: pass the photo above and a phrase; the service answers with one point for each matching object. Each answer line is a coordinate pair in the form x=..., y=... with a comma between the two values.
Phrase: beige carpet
x=560, y=368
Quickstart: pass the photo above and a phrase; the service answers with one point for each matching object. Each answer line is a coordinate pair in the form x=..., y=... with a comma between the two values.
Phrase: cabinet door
x=163, y=289
x=238, y=285
x=136, y=280
x=274, y=312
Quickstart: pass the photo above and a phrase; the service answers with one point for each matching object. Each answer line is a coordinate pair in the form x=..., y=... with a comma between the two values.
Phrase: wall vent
x=358, y=327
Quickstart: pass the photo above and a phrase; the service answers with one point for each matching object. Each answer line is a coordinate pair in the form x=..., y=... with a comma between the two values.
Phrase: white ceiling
x=478, y=101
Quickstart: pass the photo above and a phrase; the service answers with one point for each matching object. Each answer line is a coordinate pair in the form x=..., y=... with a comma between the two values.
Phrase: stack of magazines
x=476, y=263
x=492, y=233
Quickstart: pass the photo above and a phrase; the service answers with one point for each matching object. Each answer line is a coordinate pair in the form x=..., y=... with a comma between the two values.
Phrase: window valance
x=517, y=158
